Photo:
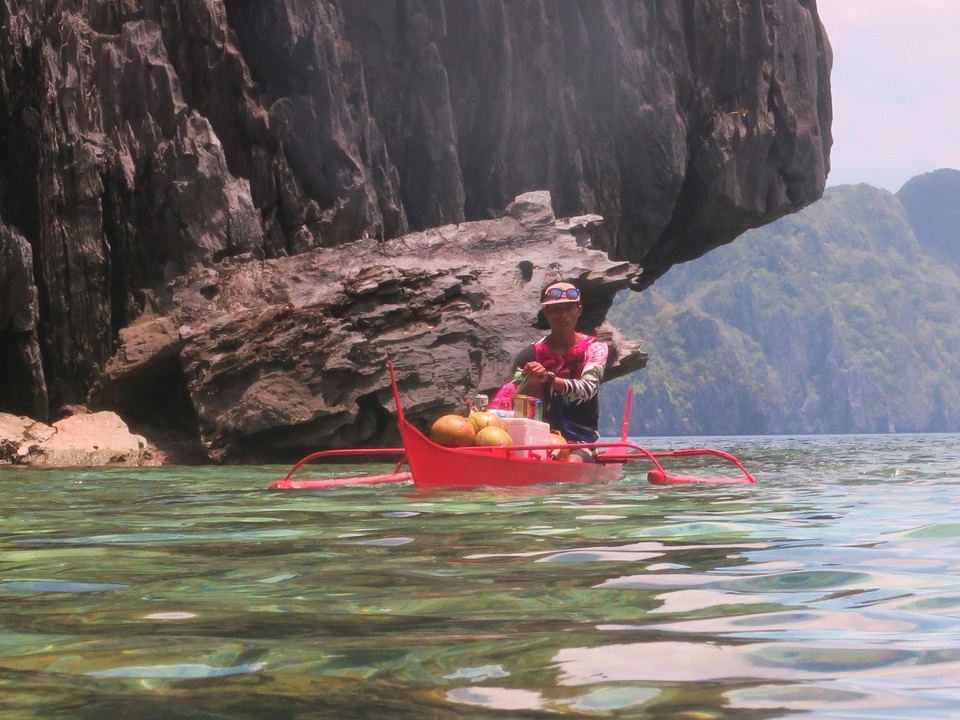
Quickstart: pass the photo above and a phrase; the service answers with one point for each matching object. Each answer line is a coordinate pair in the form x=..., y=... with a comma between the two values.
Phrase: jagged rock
x=18, y=435
x=97, y=439
x=142, y=142
x=286, y=355
x=146, y=348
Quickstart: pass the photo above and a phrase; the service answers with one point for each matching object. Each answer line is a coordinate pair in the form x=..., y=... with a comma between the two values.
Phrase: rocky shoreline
x=97, y=439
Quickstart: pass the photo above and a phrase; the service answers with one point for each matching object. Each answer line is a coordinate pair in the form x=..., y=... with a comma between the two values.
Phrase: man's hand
x=535, y=372
x=537, y=379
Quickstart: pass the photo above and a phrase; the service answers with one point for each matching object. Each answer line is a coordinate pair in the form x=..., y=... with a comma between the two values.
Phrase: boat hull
x=436, y=466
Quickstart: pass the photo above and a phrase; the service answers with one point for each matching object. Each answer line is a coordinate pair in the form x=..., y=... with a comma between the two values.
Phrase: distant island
x=842, y=318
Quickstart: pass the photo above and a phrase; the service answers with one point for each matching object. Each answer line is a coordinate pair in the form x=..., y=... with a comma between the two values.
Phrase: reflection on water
x=829, y=588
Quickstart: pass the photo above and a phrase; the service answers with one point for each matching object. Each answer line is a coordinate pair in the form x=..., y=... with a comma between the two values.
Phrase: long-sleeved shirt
x=573, y=411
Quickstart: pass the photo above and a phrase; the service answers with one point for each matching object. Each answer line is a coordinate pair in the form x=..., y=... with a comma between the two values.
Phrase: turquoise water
x=830, y=588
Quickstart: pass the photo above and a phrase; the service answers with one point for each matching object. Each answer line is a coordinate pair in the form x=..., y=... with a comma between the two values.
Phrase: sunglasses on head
x=557, y=293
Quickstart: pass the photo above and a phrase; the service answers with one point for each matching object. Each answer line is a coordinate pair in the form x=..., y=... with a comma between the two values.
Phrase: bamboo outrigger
x=433, y=466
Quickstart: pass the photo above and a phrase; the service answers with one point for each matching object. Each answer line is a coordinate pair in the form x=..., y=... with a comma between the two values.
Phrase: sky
x=895, y=87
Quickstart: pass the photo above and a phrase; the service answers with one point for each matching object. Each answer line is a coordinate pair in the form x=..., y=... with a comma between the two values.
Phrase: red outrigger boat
x=433, y=466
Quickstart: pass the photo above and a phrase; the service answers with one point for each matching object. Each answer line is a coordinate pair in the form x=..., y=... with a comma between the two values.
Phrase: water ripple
x=830, y=588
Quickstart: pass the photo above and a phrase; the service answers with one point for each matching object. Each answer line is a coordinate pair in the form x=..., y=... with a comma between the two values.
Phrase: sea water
x=830, y=588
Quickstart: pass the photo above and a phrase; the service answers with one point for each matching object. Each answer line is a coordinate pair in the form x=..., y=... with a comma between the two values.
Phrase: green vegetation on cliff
x=843, y=318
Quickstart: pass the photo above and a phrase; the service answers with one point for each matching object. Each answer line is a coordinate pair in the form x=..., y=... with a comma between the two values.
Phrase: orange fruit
x=453, y=431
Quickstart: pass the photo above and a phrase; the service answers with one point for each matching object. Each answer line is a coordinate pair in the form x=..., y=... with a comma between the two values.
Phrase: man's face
x=562, y=313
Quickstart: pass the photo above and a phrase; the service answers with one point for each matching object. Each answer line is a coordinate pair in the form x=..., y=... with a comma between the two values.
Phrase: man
x=564, y=368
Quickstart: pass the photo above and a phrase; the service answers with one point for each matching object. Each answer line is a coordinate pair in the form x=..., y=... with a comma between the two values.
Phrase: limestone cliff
x=143, y=144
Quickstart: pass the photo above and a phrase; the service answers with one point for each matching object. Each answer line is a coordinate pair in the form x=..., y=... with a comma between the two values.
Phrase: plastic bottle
x=501, y=408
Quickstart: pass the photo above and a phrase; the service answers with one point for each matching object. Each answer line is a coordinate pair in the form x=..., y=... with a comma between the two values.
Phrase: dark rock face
x=143, y=142
x=22, y=386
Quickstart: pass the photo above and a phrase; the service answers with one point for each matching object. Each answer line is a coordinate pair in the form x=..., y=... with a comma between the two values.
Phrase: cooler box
x=525, y=431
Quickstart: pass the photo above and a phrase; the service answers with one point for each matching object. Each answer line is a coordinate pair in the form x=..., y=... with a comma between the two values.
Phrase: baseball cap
x=559, y=292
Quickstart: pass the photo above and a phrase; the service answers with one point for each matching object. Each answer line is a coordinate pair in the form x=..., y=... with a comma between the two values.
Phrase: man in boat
x=563, y=368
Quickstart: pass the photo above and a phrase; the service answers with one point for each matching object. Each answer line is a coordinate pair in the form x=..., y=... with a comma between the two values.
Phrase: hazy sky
x=896, y=89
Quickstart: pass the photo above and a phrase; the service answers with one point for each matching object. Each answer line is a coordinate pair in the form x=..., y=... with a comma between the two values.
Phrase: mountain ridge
x=838, y=319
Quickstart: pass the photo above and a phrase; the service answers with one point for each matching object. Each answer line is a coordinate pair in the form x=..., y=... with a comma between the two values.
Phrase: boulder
x=280, y=357
x=87, y=440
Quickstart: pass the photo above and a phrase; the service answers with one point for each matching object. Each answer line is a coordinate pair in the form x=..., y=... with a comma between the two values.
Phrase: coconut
x=484, y=418
x=556, y=438
x=493, y=435
x=453, y=431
